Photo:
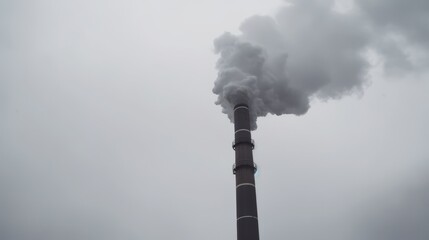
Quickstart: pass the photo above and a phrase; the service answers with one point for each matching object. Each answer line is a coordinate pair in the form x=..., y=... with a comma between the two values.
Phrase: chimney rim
x=241, y=105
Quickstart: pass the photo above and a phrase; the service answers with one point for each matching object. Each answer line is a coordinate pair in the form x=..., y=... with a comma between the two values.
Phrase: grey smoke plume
x=246, y=76
x=277, y=64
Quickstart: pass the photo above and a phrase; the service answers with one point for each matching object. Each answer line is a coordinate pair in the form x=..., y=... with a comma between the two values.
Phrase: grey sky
x=109, y=129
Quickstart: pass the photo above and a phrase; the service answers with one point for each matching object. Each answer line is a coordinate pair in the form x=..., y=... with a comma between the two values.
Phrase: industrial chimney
x=244, y=170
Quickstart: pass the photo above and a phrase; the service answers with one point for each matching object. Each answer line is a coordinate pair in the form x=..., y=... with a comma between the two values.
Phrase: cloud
x=399, y=213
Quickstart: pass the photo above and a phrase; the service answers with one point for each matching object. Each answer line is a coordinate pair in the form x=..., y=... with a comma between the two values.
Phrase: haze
x=109, y=130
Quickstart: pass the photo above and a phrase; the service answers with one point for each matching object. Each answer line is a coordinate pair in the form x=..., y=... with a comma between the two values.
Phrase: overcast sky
x=109, y=130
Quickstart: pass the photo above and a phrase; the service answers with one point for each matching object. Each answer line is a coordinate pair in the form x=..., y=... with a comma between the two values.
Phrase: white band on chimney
x=245, y=184
x=247, y=217
x=239, y=130
x=241, y=107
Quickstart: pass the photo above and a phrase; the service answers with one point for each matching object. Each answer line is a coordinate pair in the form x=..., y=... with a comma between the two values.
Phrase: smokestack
x=244, y=170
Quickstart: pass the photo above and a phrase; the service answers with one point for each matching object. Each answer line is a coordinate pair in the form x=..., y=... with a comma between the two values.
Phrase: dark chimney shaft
x=244, y=170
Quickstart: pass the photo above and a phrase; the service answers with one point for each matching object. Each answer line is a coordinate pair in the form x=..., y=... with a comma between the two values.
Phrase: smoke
x=278, y=64
x=246, y=76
